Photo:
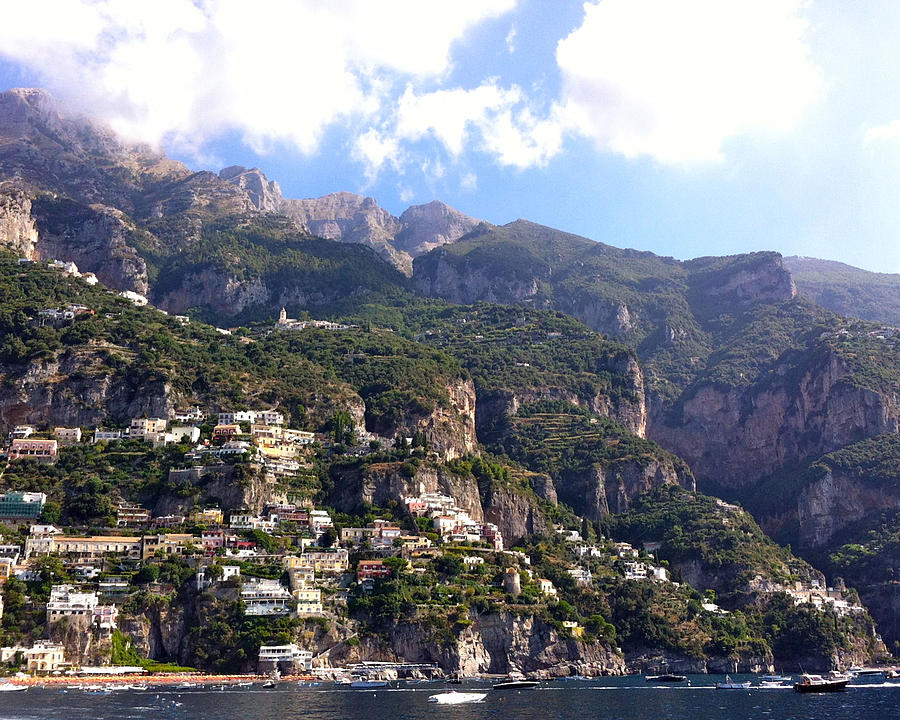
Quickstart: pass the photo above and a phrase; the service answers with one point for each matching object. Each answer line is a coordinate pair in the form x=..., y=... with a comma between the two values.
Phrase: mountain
x=541, y=380
x=351, y=218
x=848, y=290
x=71, y=189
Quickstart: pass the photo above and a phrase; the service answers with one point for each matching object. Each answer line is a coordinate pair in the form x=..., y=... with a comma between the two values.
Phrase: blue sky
x=684, y=127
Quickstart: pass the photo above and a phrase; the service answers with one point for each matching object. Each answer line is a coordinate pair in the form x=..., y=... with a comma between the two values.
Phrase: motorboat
x=516, y=685
x=12, y=687
x=368, y=684
x=453, y=697
x=667, y=678
x=775, y=678
x=817, y=683
x=729, y=684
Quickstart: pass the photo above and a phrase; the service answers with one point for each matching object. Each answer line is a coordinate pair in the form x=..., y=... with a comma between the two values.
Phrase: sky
x=683, y=127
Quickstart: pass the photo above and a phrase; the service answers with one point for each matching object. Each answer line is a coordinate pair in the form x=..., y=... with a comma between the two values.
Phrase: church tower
x=282, y=318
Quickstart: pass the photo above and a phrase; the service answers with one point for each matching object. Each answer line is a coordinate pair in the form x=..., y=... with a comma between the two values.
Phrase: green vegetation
x=723, y=540
x=848, y=290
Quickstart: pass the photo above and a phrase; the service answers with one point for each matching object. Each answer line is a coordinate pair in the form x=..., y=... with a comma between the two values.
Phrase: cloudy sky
x=685, y=127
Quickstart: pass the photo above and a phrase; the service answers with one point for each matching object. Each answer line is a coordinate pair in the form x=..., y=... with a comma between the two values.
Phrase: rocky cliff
x=97, y=239
x=18, y=231
x=735, y=436
x=500, y=643
x=603, y=489
x=74, y=388
x=384, y=483
x=836, y=500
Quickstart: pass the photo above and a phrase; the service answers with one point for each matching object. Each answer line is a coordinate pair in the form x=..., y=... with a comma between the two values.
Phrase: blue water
x=614, y=698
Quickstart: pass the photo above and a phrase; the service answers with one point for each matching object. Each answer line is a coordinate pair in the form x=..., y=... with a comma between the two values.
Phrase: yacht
x=817, y=683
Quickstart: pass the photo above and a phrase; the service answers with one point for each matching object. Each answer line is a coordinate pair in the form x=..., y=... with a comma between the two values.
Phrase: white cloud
x=891, y=131
x=511, y=40
x=274, y=71
x=491, y=118
x=674, y=80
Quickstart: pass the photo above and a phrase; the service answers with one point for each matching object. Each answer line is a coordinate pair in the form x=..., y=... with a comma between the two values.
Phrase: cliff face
x=515, y=513
x=737, y=436
x=75, y=389
x=381, y=483
x=158, y=632
x=467, y=281
x=83, y=644
x=451, y=431
x=500, y=643
x=656, y=661
x=424, y=227
x=97, y=239
x=18, y=232
x=230, y=487
x=601, y=490
x=628, y=409
x=837, y=500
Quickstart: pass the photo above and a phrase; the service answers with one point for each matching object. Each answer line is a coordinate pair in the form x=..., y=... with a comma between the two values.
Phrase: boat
x=96, y=690
x=817, y=683
x=516, y=685
x=729, y=684
x=12, y=687
x=772, y=684
x=666, y=677
x=368, y=684
x=187, y=686
x=456, y=698
x=272, y=680
x=776, y=678
x=892, y=675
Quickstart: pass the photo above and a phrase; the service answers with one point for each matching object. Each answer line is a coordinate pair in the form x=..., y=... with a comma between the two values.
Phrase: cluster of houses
x=267, y=440
x=286, y=323
x=452, y=523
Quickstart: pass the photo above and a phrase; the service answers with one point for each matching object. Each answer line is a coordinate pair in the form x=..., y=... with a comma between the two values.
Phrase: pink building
x=44, y=450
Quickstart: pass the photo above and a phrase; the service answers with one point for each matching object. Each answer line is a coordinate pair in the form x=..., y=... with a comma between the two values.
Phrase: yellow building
x=209, y=516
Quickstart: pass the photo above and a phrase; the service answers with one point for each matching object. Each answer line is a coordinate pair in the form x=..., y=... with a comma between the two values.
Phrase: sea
x=630, y=698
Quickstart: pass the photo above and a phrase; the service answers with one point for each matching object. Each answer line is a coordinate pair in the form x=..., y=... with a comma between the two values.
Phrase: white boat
x=729, y=684
x=456, y=698
x=368, y=684
x=12, y=687
x=772, y=684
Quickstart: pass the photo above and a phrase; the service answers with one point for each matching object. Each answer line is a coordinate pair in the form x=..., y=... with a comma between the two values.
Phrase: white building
x=191, y=415
x=266, y=597
x=108, y=435
x=237, y=416
x=65, y=601
x=286, y=654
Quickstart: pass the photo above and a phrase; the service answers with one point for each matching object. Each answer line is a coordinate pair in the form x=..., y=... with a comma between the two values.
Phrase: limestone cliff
x=230, y=487
x=836, y=500
x=627, y=408
x=499, y=643
x=18, y=232
x=97, y=239
x=736, y=436
x=424, y=227
x=75, y=388
x=382, y=483
x=602, y=489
